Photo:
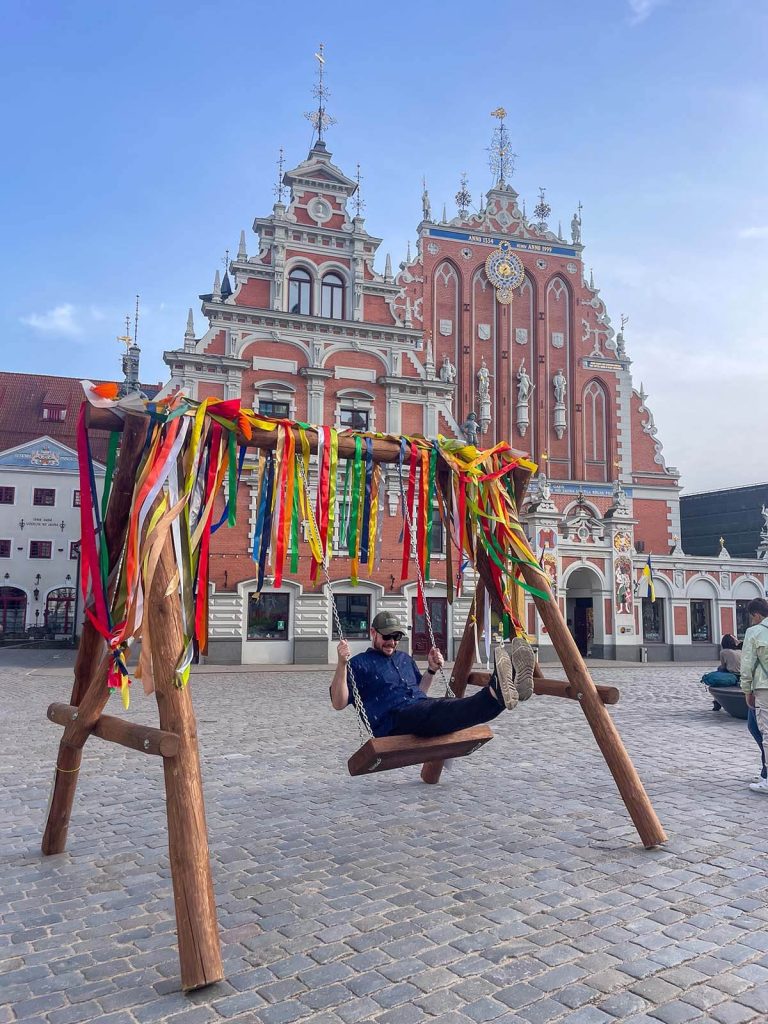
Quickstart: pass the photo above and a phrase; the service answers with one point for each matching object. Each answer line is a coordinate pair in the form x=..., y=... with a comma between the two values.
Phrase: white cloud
x=59, y=320
x=757, y=231
x=642, y=9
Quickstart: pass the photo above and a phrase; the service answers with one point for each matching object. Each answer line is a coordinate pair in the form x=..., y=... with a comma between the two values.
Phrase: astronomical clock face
x=504, y=269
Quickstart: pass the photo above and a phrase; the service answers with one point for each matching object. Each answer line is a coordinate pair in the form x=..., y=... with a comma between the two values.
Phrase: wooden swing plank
x=386, y=752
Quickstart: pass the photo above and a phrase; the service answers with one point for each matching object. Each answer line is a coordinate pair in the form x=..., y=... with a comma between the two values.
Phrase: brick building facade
x=307, y=327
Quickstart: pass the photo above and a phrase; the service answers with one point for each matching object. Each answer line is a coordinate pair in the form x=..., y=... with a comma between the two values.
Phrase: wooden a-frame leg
x=462, y=666
x=199, y=950
x=600, y=722
x=91, y=665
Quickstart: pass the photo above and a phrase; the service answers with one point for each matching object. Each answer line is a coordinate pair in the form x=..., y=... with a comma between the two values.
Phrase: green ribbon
x=295, y=518
x=114, y=441
x=354, y=515
x=232, y=488
x=430, y=492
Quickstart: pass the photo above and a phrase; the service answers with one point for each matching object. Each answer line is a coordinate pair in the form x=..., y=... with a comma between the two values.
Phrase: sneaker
x=505, y=678
x=759, y=787
x=523, y=662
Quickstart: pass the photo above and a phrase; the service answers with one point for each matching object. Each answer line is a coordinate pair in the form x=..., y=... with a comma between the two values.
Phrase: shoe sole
x=505, y=677
x=523, y=663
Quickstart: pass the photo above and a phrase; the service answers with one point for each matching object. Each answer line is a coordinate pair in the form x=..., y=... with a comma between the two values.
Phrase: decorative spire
x=242, y=254
x=359, y=203
x=591, y=279
x=445, y=215
x=542, y=210
x=408, y=252
x=217, y=287
x=190, y=331
x=559, y=229
x=279, y=186
x=525, y=213
x=501, y=159
x=136, y=323
x=463, y=197
x=319, y=119
x=388, y=268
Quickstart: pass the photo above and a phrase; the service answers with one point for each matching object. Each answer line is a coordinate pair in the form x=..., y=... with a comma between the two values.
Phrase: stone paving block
x=588, y=1015
x=676, y=1012
x=732, y=1013
x=281, y=1013
x=484, y=1009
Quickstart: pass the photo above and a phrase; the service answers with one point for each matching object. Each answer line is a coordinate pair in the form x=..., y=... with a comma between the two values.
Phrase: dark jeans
x=758, y=736
x=437, y=716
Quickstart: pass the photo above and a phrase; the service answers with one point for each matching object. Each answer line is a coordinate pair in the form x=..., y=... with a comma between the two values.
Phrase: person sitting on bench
x=394, y=691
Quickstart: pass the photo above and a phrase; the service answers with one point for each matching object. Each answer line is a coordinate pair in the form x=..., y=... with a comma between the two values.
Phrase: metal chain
x=411, y=533
x=363, y=725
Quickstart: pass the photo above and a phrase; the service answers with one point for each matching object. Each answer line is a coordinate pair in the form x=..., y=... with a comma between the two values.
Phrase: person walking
x=754, y=673
x=394, y=691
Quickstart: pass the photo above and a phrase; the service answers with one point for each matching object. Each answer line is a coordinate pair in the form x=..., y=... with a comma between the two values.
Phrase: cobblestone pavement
x=516, y=891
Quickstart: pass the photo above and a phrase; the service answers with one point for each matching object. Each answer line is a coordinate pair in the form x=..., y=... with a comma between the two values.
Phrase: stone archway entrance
x=583, y=609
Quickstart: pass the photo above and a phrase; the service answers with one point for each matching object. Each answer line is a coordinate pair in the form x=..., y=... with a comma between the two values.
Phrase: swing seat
x=386, y=752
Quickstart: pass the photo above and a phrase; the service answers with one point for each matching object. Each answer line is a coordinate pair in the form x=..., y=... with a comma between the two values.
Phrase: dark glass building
x=733, y=514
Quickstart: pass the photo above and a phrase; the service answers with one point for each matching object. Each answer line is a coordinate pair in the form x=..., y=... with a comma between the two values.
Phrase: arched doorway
x=583, y=610
x=13, y=611
x=60, y=611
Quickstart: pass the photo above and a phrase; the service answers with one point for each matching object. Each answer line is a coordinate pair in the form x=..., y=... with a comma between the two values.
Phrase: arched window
x=60, y=611
x=300, y=292
x=13, y=610
x=332, y=297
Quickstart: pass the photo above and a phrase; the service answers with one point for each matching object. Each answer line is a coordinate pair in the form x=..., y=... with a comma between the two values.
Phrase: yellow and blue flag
x=648, y=573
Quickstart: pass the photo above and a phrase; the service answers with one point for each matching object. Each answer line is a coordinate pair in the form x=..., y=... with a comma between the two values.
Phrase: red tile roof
x=22, y=399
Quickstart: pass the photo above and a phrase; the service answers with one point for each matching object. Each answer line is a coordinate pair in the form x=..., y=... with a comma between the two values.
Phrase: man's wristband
x=431, y=671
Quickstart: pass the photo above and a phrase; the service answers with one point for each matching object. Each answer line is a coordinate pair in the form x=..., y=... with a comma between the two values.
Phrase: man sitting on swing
x=394, y=692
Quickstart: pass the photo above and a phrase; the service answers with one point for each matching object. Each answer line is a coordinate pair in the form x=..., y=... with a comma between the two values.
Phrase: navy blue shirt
x=385, y=683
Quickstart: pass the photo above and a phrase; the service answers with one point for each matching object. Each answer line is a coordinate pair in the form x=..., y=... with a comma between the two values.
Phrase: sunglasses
x=391, y=636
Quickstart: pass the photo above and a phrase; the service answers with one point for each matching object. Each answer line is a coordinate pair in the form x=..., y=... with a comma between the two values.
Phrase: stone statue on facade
x=426, y=206
x=483, y=382
x=619, y=495
x=470, y=429
x=523, y=384
x=576, y=229
x=559, y=383
x=447, y=371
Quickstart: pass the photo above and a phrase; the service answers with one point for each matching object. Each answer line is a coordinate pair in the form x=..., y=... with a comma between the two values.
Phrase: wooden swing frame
x=176, y=739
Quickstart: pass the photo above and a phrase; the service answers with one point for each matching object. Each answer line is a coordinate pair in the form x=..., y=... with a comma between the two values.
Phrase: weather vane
x=280, y=187
x=225, y=260
x=624, y=321
x=463, y=196
x=136, y=322
x=359, y=201
x=542, y=210
x=126, y=338
x=501, y=159
x=319, y=119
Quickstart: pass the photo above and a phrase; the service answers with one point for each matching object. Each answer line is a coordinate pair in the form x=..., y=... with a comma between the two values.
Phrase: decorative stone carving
x=445, y=327
x=558, y=339
x=521, y=335
x=433, y=249
x=571, y=268
x=623, y=578
x=447, y=371
x=576, y=229
x=426, y=207
x=484, y=331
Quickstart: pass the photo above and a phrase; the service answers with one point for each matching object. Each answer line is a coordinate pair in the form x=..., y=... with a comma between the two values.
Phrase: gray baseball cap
x=387, y=622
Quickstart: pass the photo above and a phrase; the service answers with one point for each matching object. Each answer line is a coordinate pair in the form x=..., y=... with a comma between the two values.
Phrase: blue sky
x=141, y=137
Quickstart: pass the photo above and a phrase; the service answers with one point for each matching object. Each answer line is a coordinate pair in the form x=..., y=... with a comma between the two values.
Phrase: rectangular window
x=268, y=616
x=653, y=620
x=40, y=549
x=353, y=419
x=44, y=496
x=701, y=622
x=436, y=534
x=54, y=412
x=7, y=495
x=279, y=410
x=742, y=619
x=355, y=615
x=5, y=549
x=76, y=499
x=74, y=548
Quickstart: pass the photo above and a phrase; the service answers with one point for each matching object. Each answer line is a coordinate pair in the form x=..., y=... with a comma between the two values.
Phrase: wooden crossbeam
x=552, y=687
x=143, y=738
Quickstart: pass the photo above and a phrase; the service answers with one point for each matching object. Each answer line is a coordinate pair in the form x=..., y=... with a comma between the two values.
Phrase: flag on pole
x=648, y=573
